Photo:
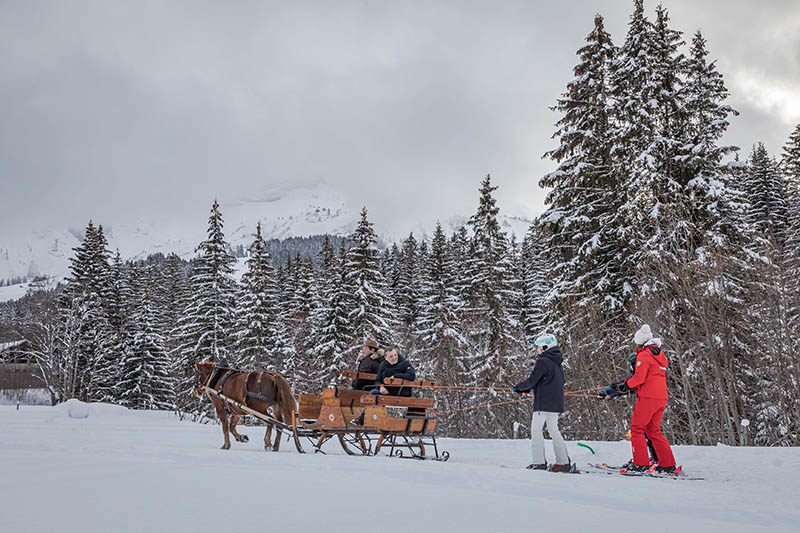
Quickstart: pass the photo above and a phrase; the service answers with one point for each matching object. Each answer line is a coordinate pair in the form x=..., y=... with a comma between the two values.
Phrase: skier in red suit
x=650, y=383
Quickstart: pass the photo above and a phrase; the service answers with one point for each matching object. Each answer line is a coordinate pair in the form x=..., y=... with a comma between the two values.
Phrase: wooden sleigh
x=404, y=425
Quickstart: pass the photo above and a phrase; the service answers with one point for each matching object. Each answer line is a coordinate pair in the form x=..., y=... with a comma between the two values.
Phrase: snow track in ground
x=130, y=471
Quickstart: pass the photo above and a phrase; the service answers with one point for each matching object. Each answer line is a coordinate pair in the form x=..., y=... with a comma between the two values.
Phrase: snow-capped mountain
x=288, y=210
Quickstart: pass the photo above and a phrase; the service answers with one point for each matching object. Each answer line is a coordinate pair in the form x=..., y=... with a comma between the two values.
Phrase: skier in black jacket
x=547, y=383
x=393, y=366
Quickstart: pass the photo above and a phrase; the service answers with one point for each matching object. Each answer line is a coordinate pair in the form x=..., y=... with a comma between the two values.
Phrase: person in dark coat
x=394, y=365
x=369, y=361
x=547, y=383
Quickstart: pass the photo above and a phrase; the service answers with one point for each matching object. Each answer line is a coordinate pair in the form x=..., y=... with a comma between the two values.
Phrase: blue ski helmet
x=546, y=340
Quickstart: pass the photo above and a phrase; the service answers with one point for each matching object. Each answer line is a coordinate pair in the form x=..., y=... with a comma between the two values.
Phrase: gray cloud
x=112, y=110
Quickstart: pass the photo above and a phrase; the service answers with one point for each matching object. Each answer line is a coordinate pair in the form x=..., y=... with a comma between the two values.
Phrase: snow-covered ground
x=13, y=292
x=121, y=470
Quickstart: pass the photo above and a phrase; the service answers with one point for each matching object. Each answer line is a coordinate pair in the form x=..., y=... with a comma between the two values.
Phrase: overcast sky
x=111, y=110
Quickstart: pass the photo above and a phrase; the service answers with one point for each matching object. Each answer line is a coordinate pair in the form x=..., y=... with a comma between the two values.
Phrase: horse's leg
x=223, y=417
x=268, y=437
x=235, y=419
x=279, y=433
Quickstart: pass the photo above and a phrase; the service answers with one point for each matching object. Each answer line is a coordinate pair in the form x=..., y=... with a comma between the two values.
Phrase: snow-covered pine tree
x=332, y=335
x=372, y=315
x=145, y=370
x=254, y=311
x=204, y=329
x=407, y=295
x=288, y=287
x=766, y=194
x=422, y=256
x=791, y=168
x=492, y=328
x=85, y=297
x=118, y=295
x=82, y=307
x=791, y=172
x=278, y=347
x=658, y=206
x=391, y=269
x=579, y=226
x=440, y=327
x=516, y=306
x=172, y=296
x=773, y=303
x=791, y=160
x=536, y=284
x=105, y=375
x=298, y=368
x=636, y=77
x=493, y=335
x=118, y=303
x=713, y=196
x=442, y=340
x=459, y=246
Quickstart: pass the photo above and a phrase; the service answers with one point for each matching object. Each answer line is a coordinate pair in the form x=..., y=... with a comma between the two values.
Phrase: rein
x=567, y=394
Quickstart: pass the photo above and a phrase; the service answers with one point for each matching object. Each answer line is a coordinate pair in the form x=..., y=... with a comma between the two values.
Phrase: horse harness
x=221, y=374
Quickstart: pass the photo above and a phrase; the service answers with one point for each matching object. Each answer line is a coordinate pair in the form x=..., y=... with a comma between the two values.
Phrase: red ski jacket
x=650, y=377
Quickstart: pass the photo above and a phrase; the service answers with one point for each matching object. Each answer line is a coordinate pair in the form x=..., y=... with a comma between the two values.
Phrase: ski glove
x=621, y=387
x=514, y=389
x=610, y=392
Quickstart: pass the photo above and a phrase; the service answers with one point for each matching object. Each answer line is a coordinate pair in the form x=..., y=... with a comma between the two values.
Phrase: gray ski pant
x=537, y=437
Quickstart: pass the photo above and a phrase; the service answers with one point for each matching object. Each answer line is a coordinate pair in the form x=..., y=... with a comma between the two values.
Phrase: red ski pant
x=646, y=419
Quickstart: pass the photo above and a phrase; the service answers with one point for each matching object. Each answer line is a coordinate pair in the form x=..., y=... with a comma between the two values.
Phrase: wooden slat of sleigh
x=397, y=401
x=405, y=383
x=401, y=425
x=389, y=381
x=309, y=406
x=359, y=375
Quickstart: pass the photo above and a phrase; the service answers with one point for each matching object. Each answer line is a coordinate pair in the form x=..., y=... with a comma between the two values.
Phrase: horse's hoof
x=245, y=438
x=223, y=447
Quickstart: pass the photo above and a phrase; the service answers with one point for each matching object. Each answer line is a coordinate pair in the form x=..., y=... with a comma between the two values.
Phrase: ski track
x=131, y=471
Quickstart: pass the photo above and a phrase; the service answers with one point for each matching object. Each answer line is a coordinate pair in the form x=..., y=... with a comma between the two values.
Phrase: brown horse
x=257, y=390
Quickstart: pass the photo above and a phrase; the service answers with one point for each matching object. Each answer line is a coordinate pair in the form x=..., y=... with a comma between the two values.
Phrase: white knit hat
x=643, y=335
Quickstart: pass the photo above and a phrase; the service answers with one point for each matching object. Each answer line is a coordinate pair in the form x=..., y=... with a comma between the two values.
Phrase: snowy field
x=13, y=292
x=121, y=470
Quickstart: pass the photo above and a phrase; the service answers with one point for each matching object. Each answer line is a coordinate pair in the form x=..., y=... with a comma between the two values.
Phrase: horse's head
x=202, y=374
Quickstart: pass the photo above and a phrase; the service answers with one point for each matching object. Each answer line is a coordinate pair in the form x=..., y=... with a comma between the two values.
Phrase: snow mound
x=74, y=408
x=77, y=408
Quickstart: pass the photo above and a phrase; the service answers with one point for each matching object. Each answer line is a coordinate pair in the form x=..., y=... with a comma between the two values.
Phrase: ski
x=608, y=469
x=573, y=469
x=605, y=467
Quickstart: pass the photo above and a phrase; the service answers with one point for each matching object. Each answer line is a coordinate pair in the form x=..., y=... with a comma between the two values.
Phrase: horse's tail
x=286, y=398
